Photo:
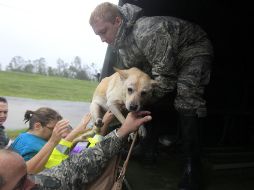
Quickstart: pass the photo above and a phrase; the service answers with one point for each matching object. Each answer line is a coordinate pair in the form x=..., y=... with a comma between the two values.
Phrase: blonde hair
x=106, y=11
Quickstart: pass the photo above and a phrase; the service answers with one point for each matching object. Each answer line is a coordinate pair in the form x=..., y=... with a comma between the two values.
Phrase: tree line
x=74, y=70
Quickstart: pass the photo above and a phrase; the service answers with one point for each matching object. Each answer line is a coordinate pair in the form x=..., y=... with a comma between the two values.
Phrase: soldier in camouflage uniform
x=4, y=139
x=74, y=172
x=174, y=52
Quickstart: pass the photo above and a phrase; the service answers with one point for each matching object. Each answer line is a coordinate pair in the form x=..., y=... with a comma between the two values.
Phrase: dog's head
x=138, y=87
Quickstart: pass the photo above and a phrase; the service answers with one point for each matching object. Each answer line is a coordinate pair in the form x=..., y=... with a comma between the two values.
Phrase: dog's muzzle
x=134, y=107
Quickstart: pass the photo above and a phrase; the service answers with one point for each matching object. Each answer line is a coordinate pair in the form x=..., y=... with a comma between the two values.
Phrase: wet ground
x=219, y=172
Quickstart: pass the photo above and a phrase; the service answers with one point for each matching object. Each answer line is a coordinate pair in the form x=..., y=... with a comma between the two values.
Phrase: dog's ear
x=123, y=73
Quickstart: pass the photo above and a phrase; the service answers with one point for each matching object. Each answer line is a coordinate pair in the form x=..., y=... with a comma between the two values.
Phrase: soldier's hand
x=133, y=121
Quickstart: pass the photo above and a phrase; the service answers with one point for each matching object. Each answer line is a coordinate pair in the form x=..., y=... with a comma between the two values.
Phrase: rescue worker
x=174, y=52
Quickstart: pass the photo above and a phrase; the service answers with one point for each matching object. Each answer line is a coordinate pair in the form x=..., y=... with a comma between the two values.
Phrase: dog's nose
x=133, y=107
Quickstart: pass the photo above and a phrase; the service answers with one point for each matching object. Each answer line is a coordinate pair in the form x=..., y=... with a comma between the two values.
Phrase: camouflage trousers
x=193, y=76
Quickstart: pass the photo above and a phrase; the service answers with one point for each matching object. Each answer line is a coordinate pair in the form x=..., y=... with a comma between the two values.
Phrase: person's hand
x=133, y=121
x=60, y=130
x=108, y=117
x=81, y=128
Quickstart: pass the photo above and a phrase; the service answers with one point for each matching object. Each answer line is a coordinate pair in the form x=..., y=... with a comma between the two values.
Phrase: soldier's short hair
x=106, y=11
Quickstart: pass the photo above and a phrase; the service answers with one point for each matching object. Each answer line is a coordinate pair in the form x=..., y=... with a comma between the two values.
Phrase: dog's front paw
x=98, y=122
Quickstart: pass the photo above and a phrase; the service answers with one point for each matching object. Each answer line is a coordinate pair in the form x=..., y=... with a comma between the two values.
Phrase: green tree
x=16, y=64
x=29, y=68
x=40, y=66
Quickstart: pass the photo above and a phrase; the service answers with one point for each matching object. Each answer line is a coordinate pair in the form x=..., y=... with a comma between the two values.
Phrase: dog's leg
x=116, y=111
x=96, y=113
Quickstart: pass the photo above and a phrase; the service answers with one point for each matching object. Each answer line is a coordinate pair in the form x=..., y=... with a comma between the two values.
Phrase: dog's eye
x=143, y=93
x=129, y=90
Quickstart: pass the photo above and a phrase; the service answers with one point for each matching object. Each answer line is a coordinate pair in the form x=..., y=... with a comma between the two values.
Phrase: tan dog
x=130, y=88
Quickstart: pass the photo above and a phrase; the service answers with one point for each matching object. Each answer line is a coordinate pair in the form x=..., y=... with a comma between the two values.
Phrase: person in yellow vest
x=46, y=129
x=65, y=147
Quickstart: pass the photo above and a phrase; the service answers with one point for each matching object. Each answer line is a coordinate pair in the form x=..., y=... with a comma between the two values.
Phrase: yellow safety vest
x=60, y=153
x=62, y=150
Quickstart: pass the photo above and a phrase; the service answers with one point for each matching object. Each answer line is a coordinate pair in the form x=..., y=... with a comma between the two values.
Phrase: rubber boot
x=191, y=177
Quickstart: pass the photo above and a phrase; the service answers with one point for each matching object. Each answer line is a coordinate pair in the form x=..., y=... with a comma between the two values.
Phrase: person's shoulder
x=17, y=141
x=2, y=129
x=22, y=136
x=144, y=21
x=27, y=139
x=33, y=139
x=151, y=20
x=27, y=135
x=147, y=25
x=159, y=22
x=145, y=29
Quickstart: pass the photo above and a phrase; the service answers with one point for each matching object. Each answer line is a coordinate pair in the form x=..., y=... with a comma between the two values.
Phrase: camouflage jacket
x=159, y=45
x=3, y=137
x=79, y=169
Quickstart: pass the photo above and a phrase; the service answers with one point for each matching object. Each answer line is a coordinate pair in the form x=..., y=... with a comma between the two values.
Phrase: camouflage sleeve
x=157, y=44
x=82, y=168
x=3, y=138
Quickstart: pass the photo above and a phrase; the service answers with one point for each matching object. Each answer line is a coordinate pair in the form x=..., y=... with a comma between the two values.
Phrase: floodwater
x=73, y=111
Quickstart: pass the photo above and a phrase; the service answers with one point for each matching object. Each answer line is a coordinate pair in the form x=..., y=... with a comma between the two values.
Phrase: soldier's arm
x=157, y=44
x=84, y=167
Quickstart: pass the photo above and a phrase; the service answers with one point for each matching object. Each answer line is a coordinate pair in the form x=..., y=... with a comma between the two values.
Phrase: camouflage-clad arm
x=157, y=45
x=81, y=168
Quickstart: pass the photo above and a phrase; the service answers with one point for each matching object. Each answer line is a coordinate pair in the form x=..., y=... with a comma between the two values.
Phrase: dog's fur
x=130, y=89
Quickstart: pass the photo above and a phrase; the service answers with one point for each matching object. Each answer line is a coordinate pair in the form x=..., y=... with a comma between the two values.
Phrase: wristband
x=115, y=131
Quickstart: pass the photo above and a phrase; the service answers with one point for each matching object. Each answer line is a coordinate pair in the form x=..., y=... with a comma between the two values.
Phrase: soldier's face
x=3, y=112
x=107, y=30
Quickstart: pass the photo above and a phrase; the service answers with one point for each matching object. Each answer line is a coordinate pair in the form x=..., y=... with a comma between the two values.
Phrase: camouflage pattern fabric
x=174, y=52
x=79, y=169
x=3, y=137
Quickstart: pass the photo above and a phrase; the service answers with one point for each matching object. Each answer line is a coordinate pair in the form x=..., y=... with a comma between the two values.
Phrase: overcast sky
x=51, y=29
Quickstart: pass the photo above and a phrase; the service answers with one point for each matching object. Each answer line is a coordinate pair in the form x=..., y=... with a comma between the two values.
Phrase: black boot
x=191, y=178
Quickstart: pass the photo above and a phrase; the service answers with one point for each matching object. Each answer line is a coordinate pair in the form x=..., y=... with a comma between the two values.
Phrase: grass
x=14, y=133
x=36, y=86
x=45, y=87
